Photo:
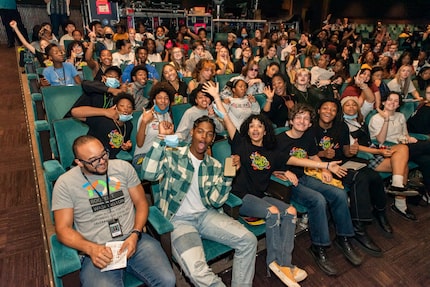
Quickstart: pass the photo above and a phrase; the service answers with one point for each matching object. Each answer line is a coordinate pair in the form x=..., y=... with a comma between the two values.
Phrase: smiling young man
x=102, y=200
x=60, y=73
x=298, y=148
x=192, y=189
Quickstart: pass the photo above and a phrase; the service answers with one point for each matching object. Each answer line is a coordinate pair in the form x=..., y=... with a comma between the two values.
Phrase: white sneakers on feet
x=289, y=276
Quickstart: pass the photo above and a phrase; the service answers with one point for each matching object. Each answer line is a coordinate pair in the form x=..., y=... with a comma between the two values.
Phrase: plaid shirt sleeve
x=214, y=187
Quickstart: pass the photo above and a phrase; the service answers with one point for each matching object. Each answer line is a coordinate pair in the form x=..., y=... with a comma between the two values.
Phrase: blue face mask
x=125, y=118
x=160, y=111
x=171, y=140
x=317, y=56
x=112, y=83
x=244, y=35
x=350, y=117
x=218, y=112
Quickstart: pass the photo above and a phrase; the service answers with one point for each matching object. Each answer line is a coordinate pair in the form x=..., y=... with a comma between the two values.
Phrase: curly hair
x=269, y=139
x=158, y=88
x=201, y=65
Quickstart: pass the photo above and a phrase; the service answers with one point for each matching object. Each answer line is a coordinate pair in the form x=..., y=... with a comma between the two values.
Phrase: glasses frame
x=105, y=156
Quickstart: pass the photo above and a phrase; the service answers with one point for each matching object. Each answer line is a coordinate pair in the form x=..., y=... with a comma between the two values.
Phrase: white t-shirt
x=151, y=132
x=192, y=202
x=396, y=127
x=119, y=59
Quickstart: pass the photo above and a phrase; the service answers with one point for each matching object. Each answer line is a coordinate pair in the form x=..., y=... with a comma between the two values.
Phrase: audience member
x=193, y=188
x=83, y=207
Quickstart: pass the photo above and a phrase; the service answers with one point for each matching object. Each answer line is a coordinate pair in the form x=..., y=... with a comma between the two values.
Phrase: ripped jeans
x=280, y=228
x=187, y=248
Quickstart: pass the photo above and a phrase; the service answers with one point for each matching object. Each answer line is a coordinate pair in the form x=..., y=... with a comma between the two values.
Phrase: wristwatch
x=139, y=233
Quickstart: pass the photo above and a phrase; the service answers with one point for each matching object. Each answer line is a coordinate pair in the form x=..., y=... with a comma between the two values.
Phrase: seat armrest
x=160, y=228
x=65, y=260
x=232, y=205
x=53, y=169
x=157, y=220
x=365, y=155
x=422, y=137
x=41, y=125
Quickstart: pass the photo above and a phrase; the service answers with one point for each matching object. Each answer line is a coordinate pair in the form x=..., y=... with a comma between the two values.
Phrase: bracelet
x=269, y=100
x=328, y=163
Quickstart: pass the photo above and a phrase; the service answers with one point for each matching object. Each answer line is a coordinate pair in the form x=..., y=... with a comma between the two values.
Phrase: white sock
x=397, y=180
x=400, y=203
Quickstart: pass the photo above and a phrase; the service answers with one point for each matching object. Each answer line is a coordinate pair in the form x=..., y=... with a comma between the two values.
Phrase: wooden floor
x=23, y=257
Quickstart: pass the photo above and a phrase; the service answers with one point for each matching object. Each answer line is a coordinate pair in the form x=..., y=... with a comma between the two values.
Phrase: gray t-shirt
x=91, y=216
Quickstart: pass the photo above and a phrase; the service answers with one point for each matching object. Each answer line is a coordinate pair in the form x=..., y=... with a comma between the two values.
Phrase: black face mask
x=108, y=36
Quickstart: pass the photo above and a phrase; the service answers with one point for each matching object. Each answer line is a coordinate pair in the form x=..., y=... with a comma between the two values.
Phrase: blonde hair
x=230, y=65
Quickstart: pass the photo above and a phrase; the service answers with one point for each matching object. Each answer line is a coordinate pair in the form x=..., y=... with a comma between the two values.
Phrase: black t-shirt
x=111, y=135
x=278, y=113
x=420, y=121
x=303, y=147
x=336, y=137
x=309, y=97
x=257, y=165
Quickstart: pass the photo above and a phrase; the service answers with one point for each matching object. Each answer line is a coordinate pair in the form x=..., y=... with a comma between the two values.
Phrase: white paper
x=119, y=260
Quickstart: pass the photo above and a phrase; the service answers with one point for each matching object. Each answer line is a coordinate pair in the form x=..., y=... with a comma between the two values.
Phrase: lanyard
x=61, y=80
x=98, y=193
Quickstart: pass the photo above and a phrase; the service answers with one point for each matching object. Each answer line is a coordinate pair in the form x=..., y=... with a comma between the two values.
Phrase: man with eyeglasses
x=102, y=200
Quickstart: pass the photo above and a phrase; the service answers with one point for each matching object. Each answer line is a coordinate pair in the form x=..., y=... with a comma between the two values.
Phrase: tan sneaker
x=285, y=274
x=299, y=274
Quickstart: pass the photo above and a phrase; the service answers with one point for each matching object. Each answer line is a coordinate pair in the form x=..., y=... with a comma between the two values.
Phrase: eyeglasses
x=96, y=162
x=253, y=70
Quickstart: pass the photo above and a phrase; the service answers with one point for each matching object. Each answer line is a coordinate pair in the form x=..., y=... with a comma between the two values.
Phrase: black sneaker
x=408, y=215
x=395, y=190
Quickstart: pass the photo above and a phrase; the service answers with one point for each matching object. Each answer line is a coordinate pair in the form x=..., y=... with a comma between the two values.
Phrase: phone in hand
x=229, y=168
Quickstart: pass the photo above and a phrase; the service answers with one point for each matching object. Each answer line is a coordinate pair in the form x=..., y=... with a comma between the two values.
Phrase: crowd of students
x=307, y=88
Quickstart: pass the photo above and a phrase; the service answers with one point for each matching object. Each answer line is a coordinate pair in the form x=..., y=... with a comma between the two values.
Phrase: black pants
x=420, y=154
x=7, y=15
x=366, y=192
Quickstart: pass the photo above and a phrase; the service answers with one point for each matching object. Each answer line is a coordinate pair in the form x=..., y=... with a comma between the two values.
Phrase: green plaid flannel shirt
x=173, y=168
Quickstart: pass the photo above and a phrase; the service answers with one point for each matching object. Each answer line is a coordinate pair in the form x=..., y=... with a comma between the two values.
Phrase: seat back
x=159, y=67
x=261, y=99
x=59, y=100
x=354, y=68
x=135, y=121
x=223, y=79
x=221, y=150
x=87, y=73
x=177, y=113
x=66, y=131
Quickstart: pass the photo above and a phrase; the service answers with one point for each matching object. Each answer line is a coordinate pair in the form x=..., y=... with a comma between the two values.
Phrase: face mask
x=218, y=112
x=80, y=54
x=112, y=83
x=244, y=35
x=160, y=37
x=108, y=36
x=160, y=111
x=350, y=117
x=125, y=118
x=317, y=56
x=171, y=140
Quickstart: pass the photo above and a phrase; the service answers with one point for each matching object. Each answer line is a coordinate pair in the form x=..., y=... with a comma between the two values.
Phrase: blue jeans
x=280, y=227
x=149, y=264
x=187, y=247
x=315, y=195
x=58, y=20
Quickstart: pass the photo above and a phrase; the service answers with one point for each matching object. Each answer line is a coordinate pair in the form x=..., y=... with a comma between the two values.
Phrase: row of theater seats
x=54, y=136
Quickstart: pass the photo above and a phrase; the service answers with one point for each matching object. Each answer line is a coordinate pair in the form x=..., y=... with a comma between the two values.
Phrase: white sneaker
x=285, y=274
